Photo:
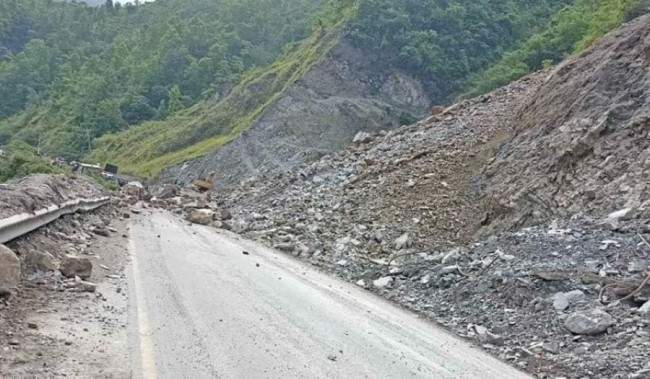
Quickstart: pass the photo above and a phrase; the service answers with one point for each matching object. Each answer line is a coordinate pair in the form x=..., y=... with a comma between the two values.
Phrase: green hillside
x=70, y=73
x=572, y=30
x=148, y=148
x=394, y=33
x=150, y=85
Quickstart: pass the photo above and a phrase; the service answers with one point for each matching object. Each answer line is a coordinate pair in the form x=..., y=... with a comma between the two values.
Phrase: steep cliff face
x=319, y=114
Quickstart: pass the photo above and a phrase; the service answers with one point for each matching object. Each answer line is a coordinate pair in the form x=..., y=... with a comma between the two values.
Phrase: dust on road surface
x=208, y=305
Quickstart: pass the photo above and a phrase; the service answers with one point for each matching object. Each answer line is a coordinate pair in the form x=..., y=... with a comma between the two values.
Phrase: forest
x=71, y=73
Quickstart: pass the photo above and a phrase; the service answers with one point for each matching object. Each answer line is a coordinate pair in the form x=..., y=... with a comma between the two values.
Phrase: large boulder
x=591, y=322
x=135, y=190
x=200, y=216
x=167, y=191
x=9, y=270
x=72, y=266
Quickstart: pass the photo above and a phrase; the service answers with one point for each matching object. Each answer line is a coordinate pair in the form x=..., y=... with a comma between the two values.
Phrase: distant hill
x=252, y=87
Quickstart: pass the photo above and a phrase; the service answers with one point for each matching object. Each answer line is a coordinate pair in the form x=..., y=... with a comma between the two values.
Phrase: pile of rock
x=133, y=192
x=36, y=192
x=59, y=253
x=402, y=212
x=418, y=181
x=580, y=147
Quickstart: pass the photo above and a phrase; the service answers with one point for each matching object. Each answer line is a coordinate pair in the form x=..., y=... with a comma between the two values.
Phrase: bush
x=22, y=159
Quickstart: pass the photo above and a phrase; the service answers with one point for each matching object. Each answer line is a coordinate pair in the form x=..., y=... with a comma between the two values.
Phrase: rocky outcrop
x=319, y=114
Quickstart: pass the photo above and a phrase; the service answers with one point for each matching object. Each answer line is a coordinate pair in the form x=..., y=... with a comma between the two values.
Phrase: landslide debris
x=517, y=219
x=582, y=143
x=68, y=327
x=36, y=192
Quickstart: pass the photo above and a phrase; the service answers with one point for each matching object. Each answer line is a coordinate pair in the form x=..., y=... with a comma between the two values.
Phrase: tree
x=175, y=103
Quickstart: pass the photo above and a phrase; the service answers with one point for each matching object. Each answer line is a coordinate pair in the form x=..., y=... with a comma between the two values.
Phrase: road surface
x=201, y=308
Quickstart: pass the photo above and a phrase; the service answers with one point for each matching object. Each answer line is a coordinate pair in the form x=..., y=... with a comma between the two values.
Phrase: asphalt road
x=203, y=309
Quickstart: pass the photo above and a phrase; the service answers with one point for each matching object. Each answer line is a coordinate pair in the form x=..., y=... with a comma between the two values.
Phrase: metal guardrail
x=18, y=225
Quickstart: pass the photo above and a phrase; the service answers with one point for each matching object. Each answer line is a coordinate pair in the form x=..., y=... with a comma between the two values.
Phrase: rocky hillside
x=349, y=76
x=582, y=144
x=402, y=213
x=319, y=114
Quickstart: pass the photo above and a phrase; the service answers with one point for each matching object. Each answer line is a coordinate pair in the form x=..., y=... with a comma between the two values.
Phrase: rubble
x=73, y=308
x=504, y=215
x=135, y=191
x=36, y=192
x=580, y=148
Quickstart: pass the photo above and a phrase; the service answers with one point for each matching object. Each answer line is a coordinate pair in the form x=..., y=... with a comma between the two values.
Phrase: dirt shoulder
x=53, y=328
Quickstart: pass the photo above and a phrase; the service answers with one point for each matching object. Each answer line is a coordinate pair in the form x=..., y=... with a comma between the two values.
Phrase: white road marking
x=147, y=360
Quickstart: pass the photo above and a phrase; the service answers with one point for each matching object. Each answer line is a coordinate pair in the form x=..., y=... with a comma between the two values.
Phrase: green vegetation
x=573, y=29
x=446, y=41
x=148, y=148
x=21, y=160
x=70, y=73
x=150, y=85
x=103, y=181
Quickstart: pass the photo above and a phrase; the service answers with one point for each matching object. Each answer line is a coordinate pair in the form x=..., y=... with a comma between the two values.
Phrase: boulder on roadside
x=9, y=270
x=562, y=300
x=135, y=190
x=130, y=200
x=591, y=322
x=88, y=286
x=199, y=216
x=72, y=266
x=438, y=109
x=167, y=191
x=403, y=241
x=240, y=226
